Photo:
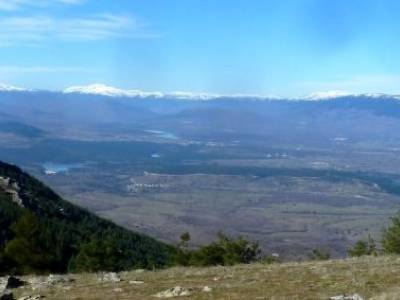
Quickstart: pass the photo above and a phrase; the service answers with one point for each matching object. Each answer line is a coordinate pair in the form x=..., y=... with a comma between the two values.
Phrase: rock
x=347, y=297
x=136, y=282
x=10, y=282
x=6, y=295
x=174, y=292
x=206, y=289
x=110, y=277
x=58, y=279
x=117, y=290
x=36, y=297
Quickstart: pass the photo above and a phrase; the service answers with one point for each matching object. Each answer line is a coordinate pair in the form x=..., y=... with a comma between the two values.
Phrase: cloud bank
x=37, y=29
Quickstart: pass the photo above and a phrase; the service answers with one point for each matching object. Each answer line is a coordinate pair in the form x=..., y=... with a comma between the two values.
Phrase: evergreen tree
x=391, y=237
x=26, y=249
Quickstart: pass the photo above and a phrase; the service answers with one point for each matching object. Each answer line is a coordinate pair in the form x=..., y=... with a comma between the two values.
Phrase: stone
x=10, y=282
x=207, y=289
x=110, y=277
x=347, y=297
x=6, y=295
x=174, y=292
x=136, y=282
x=58, y=279
x=36, y=297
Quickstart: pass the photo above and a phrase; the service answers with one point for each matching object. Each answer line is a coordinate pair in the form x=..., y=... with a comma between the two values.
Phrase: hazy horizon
x=283, y=48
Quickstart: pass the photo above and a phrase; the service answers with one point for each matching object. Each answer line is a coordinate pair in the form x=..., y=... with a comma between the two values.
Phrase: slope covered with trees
x=41, y=232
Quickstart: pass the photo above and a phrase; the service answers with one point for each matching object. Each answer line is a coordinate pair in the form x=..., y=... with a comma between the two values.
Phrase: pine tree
x=391, y=237
x=25, y=249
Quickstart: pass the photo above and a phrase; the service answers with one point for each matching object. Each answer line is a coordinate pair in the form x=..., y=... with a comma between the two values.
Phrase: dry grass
x=373, y=278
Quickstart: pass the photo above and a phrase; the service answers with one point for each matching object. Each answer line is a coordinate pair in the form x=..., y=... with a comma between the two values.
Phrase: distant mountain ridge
x=114, y=115
x=109, y=91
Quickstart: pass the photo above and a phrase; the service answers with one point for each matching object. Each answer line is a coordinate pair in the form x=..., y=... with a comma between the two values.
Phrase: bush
x=226, y=252
x=319, y=255
x=183, y=254
x=391, y=236
x=362, y=248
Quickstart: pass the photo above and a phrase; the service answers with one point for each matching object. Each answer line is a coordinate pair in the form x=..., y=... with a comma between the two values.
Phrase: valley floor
x=371, y=278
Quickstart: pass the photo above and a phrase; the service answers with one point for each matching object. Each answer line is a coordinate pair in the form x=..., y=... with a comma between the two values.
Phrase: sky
x=258, y=47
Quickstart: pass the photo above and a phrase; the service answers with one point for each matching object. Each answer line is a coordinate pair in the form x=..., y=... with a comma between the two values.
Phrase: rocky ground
x=351, y=279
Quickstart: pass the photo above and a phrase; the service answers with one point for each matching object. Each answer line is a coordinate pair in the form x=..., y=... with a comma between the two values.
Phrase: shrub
x=226, y=252
x=362, y=248
x=391, y=236
x=319, y=255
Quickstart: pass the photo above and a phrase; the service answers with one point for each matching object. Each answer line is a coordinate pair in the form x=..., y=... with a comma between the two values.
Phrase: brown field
x=372, y=278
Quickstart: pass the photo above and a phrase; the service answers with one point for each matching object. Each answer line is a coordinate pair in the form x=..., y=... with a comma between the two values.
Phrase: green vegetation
x=317, y=254
x=391, y=236
x=362, y=248
x=49, y=234
x=224, y=251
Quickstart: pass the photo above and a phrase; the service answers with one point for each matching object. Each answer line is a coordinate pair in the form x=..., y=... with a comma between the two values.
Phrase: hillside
x=41, y=232
x=371, y=278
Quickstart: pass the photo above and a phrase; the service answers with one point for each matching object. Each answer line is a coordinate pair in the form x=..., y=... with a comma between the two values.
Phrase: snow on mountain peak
x=104, y=90
x=328, y=95
x=331, y=95
x=10, y=88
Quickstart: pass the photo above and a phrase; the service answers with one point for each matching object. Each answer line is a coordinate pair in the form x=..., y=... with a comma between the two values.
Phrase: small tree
x=184, y=240
x=183, y=254
x=319, y=255
x=391, y=236
x=362, y=248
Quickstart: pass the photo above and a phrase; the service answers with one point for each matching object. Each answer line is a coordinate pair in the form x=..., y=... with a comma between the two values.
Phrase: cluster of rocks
x=11, y=188
x=179, y=291
x=109, y=277
x=9, y=283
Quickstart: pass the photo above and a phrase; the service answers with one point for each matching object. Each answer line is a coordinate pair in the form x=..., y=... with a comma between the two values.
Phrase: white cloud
x=15, y=70
x=35, y=30
x=11, y=5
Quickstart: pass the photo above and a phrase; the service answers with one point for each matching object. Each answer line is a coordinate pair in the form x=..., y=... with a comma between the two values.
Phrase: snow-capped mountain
x=109, y=91
x=104, y=90
x=330, y=95
x=10, y=88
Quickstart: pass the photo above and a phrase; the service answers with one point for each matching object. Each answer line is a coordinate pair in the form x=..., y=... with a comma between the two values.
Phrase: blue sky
x=267, y=47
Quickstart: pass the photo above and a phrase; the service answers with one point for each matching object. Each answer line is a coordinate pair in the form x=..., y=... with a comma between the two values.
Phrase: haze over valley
x=294, y=174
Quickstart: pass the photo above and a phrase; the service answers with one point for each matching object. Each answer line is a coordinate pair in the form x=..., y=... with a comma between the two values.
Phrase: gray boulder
x=109, y=277
x=6, y=295
x=13, y=282
x=174, y=292
x=347, y=297
x=37, y=297
x=58, y=279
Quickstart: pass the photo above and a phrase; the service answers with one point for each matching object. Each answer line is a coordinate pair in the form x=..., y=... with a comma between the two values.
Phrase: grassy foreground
x=372, y=278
